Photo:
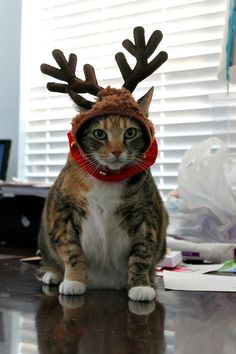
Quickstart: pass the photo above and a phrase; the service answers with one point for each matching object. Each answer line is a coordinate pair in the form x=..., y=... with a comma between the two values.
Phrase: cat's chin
x=115, y=166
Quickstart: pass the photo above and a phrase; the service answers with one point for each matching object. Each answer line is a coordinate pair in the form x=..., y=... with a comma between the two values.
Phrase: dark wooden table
x=39, y=320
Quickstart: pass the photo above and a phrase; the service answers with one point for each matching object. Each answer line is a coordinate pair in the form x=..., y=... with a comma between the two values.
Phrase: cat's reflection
x=101, y=322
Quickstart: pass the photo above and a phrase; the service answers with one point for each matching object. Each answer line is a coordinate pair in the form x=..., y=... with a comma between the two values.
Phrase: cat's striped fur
x=97, y=234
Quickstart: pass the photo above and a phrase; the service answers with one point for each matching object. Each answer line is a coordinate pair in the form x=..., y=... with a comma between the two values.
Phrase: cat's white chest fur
x=105, y=244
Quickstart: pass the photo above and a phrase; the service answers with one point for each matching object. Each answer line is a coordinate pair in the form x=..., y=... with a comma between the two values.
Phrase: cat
x=98, y=234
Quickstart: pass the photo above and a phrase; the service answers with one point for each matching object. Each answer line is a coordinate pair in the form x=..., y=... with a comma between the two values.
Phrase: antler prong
x=123, y=65
x=79, y=100
x=55, y=87
x=154, y=41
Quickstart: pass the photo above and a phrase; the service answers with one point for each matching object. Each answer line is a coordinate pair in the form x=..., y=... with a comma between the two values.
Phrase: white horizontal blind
x=189, y=102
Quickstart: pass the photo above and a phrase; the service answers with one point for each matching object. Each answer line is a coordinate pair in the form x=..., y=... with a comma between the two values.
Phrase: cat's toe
x=51, y=278
x=142, y=293
x=71, y=287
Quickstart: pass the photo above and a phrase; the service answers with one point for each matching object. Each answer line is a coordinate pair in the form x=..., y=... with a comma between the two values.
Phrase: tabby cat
x=98, y=234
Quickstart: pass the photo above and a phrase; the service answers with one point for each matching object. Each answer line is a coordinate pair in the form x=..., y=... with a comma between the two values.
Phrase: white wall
x=10, y=23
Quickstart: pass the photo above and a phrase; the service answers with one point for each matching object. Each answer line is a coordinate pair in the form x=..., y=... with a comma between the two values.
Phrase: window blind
x=189, y=105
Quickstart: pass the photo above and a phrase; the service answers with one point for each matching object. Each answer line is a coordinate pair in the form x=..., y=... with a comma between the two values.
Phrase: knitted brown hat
x=113, y=101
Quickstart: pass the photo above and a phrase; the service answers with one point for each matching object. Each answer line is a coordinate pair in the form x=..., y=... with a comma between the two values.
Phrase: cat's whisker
x=139, y=163
x=92, y=167
x=82, y=165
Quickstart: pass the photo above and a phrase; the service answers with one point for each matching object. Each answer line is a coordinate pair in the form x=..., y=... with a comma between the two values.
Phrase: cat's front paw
x=142, y=293
x=72, y=287
x=52, y=278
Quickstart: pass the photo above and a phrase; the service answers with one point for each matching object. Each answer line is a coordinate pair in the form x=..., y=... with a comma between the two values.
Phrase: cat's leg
x=140, y=263
x=71, y=253
x=53, y=274
x=74, y=282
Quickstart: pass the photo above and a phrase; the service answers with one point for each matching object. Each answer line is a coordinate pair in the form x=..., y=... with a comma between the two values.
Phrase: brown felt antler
x=141, y=52
x=74, y=85
x=67, y=73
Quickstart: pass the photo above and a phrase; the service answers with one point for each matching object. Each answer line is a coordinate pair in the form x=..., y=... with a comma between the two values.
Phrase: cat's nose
x=116, y=152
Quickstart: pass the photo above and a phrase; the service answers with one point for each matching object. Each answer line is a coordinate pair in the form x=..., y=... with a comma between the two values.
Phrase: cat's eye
x=100, y=134
x=130, y=133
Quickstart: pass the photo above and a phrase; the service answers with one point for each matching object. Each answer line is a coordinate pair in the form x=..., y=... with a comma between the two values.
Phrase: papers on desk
x=16, y=187
x=211, y=252
x=198, y=278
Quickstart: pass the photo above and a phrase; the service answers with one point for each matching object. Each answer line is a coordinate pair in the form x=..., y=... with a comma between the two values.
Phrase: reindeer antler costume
x=109, y=100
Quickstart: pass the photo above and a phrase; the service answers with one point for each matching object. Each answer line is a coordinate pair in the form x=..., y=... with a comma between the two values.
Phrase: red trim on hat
x=107, y=175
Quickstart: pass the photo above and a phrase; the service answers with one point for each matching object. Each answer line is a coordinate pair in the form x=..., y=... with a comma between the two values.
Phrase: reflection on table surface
x=39, y=320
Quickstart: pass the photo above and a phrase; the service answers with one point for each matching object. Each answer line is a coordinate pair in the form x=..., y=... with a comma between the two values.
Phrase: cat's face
x=113, y=141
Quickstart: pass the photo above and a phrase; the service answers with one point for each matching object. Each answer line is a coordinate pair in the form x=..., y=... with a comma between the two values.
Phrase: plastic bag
x=206, y=209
